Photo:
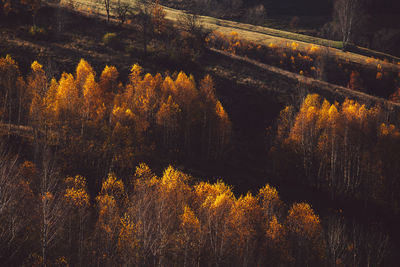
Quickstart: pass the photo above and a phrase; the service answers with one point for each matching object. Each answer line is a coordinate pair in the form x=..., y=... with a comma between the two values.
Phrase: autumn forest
x=149, y=134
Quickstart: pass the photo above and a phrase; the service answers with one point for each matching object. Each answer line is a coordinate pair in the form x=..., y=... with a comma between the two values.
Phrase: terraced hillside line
x=52, y=137
x=315, y=85
x=16, y=130
x=261, y=35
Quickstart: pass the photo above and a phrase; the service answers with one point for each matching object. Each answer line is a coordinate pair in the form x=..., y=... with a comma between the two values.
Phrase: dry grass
x=320, y=87
x=264, y=35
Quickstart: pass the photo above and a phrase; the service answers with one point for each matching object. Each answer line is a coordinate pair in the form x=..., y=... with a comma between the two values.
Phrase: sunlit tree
x=110, y=204
x=305, y=235
x=78, y=200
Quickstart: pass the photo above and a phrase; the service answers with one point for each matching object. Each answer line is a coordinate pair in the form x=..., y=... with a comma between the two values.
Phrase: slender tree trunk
x=107, y=5
x=145, y=39
x=34, y=19
x=44, y=238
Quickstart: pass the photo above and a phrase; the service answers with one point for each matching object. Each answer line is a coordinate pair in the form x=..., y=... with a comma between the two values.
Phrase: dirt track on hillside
x=318, y=86
x=258, y=34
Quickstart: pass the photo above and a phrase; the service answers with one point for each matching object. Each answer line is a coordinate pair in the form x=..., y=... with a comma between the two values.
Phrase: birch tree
x=348, y=15
x=16, y=201
x=52, y=211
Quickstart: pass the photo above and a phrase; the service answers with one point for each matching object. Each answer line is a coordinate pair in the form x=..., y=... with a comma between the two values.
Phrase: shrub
x=112, y=40
x=36, y=31
x=294, y=22
x=131, y=49
x=355, y=82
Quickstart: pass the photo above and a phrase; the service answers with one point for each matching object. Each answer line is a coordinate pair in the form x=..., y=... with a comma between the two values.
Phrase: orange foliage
x=135, y=115
x=108, y=83
x=208, y=218
x=76, y=192
x=83, y=70
x=337, y=146
x=311, y=61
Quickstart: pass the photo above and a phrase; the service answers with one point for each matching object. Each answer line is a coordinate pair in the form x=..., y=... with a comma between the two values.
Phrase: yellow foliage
x=109, y=73
x=107, y=207
x=270, y=201
x=113, y=187
x=67, y=97
x=315, y=121
x=247, y=206
x=144, y=172
x=275, y=230
x=127, y=235
x=83, y=70
x=272, y=45
x=78, y=197
x=314, y=48
x=268, y=194
x=185, y=87
x=220, y=111
x=234, y=34
x=108, y=83
x=61, y=261
x=94, y=98
x=352, y=110
x=129, y=112
x=245, y=214
x=123, y=115
x=117, y=111
x=312, y=100
x=76, y=191
x=222, y=202
x=369, y=60
x=90, y=86
x=285, y=121
x=168, y=114
x=50, y=100
x=136, y=71
x=306, y=118
x=36, y=66
x=388, y=130
x=206, y=193
x=168, y=86
x=7, y=63
x=173, y=180
x=47, y=196
x=333, y=113
x=189, y=220
x=312, y=113
x=303, y=221
x=36, y=88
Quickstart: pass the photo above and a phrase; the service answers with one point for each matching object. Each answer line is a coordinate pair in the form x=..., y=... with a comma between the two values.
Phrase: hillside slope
x=260, y=35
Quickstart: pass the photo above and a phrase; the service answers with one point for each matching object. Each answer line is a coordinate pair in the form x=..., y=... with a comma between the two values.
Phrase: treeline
x=222, y=8
x=374, y=76
x=348, y=149
x=100, y=123
x=171, y=220
x=157, y=221
x=286, y=7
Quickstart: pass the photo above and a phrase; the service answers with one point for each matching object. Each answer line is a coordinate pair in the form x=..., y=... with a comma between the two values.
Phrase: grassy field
x=226, y=26
x=266, y=36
